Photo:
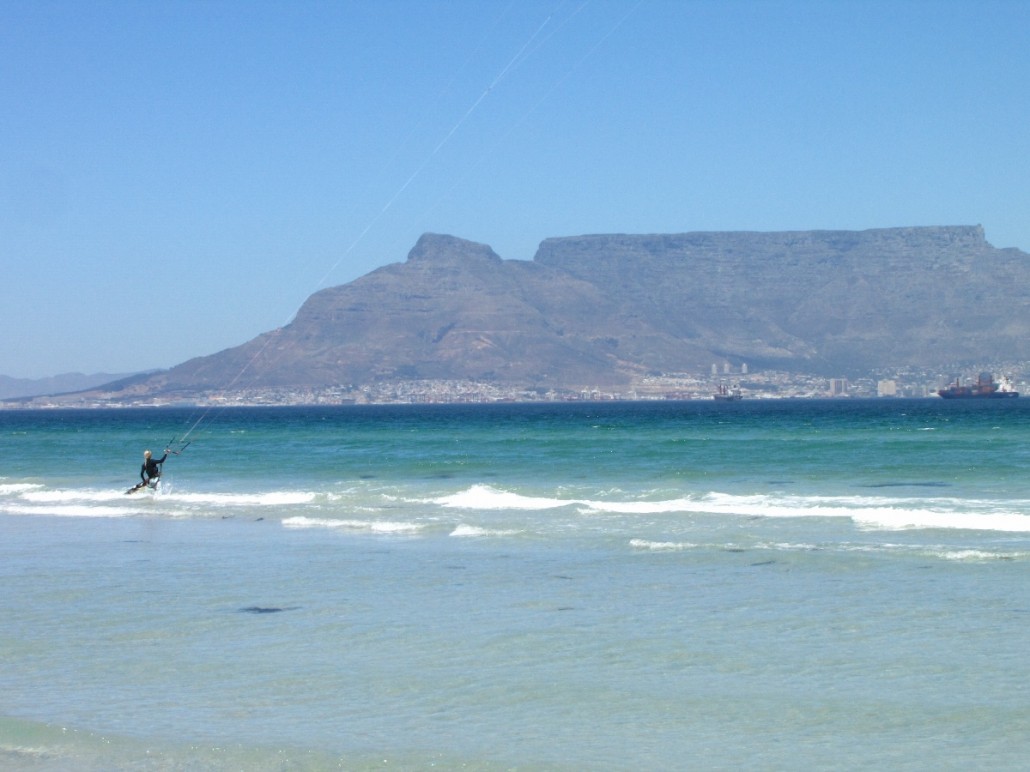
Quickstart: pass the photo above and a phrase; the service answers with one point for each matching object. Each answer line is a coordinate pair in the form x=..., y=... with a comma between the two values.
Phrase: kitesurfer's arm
x=143, y=472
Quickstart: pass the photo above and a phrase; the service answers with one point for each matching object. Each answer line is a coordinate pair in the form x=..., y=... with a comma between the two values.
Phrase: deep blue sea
x=622, y=586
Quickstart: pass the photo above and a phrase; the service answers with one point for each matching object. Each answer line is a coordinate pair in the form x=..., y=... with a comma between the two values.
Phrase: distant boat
x=984, y=388
x=727, y=395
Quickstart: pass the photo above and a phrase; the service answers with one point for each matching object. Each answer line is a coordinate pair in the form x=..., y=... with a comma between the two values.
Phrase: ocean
x=824, y=584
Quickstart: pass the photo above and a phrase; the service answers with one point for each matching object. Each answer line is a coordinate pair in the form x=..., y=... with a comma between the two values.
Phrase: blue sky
x=178, y=177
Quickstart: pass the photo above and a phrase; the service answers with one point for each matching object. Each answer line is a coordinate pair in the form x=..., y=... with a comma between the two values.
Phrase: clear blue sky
x=177, y=177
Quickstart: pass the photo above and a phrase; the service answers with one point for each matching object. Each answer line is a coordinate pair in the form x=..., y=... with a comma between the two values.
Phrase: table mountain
x=598, y=310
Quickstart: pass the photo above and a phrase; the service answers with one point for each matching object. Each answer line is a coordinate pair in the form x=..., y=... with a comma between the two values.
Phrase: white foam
x=642, y=507
x=953, y=553
x=370, y=526
x=901, y=519
x=72, y=510
x=867, y=512
x=75, y=494
x=786, y=547
x=269, y=499
x=976, y=556
x=8, y=489
x=466, y=531
x=940, y=552
x=486, y=497
x=661, y=546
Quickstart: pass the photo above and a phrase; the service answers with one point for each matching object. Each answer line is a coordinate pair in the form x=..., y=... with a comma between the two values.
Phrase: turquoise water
x=594, y=586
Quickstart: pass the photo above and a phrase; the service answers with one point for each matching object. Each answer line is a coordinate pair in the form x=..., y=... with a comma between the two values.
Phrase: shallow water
x=534, y=587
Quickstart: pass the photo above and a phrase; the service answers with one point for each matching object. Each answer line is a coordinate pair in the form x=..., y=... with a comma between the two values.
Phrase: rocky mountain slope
x=598, y=310
x=819, y=301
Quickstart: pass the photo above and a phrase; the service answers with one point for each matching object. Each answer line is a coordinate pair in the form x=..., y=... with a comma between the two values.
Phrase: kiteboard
x=152, y=486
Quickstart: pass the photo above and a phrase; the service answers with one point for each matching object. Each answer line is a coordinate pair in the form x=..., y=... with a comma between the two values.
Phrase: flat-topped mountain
x=595, y=311
x=841, y=302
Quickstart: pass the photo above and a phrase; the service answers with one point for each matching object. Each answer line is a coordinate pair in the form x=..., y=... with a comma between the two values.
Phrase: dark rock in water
x=266, y=609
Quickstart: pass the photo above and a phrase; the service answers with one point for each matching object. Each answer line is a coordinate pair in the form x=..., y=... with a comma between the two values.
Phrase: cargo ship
x=728, y=395
x=984, y=388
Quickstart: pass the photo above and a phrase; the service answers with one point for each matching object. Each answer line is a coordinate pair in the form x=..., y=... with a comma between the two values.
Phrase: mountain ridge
x=16, y=388
x=604, y=310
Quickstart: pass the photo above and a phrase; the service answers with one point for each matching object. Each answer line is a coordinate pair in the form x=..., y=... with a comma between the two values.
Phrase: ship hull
x=995, y=395
x=984, y=388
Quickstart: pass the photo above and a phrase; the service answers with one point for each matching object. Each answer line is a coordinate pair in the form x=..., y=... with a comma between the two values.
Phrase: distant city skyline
x=177, y=178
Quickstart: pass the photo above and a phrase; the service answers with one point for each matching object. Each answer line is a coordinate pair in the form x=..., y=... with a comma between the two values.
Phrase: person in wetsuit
x=150, y=472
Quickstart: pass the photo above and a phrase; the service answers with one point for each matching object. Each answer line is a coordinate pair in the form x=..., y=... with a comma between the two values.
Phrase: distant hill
x=12, y=388
x=595, y=311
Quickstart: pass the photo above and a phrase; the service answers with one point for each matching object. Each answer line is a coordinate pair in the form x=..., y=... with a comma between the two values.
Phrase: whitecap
x=269, y=499
x=8, y=489
x=874, y=513
x=661, y=546
x=72, y=510
x=902, y=519
x=867, y=512
x=466, y=531
x=974, y=556
x=487, y=497
x=73, y=494
x=641, y=507
x=370, y=526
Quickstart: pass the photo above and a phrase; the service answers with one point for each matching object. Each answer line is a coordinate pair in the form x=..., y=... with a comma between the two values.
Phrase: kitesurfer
x=150, y=472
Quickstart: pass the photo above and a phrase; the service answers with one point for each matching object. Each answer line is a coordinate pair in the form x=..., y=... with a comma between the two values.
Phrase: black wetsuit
x=151, y=469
